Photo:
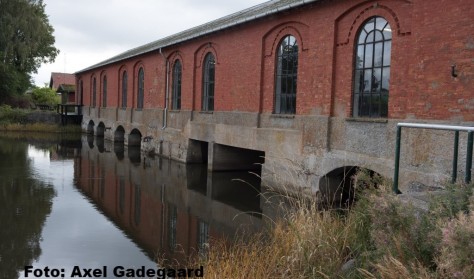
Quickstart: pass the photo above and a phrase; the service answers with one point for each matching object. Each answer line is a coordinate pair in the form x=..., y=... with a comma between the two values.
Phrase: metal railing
x=69, y=109
x=456, y=129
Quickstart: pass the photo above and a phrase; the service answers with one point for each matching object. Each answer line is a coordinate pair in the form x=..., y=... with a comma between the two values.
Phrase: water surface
x=89, y=203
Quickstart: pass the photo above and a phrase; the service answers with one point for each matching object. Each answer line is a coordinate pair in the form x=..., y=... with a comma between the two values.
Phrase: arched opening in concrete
x=99, y=132
x=336, y=188
x=135, y=138
x=119, y=134
x=90, y=127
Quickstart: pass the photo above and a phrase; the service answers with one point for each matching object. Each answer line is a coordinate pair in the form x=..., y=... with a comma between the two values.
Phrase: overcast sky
x=90, y=31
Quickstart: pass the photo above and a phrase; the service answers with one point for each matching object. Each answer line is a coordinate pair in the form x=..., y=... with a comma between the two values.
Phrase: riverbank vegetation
x=16, y=119
x=380, y=236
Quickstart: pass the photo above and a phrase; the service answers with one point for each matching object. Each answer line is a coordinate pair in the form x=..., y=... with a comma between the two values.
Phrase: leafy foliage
x=45, y=96
x=26, y=41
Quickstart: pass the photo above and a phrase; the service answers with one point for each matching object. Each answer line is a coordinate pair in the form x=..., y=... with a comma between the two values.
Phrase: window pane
x=378, y=54
x=385, y=79
x=369, y=49
x=367, y=81
x=378, y=36
x=286, y=76
x=358, y=81
x=380, y=23
x=370, y=38
x=371, y=81
x=124, y=90
x=376, y=80
x=360, y=57
x=386, y=55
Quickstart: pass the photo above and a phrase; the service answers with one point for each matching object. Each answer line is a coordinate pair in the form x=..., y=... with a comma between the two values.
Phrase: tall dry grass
x=379, y=237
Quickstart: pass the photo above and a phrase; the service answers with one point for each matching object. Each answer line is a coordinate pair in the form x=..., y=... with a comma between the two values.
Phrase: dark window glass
x=372, y=69
x=141, y=89
x=286, y=76
x=94, y=92
x=124, y=89
x=104, y=92
x=81, y=101
x=208, y=83
x=177, y=85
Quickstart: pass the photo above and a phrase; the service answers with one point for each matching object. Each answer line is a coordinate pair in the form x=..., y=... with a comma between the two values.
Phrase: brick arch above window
x=203, y=50
x=274, y=36
x=348, y=23
x=176, y=55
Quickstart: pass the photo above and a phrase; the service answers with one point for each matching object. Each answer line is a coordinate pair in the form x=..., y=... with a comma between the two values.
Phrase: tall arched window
x=94, y=92
x=81, y=95
x=208, y=83
x=176, y=85
x=286, y=76
x=372, y=69
x=104, y=92
x=141, y=89
x=124, y=89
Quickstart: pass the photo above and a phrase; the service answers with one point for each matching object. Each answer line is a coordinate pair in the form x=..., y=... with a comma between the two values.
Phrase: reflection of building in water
x=169, y=208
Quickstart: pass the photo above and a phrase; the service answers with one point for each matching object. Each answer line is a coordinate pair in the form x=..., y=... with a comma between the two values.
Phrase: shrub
x=45, y=96
x=10, y=115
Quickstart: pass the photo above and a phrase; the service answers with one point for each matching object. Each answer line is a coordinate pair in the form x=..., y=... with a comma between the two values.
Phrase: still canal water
x=89, y=203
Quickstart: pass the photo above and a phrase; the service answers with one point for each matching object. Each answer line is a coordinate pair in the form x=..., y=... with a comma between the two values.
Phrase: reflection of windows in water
x=137, y=211
x=372, y=69
x=92, y=177
x=172, y=219
x=121, y=195
x=102, y=185
x=203, y=236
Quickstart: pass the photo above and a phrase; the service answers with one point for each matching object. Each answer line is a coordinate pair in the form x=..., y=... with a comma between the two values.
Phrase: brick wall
x=429, y=37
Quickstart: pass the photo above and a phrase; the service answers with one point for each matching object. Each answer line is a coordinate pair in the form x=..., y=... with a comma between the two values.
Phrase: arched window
x=372, y=69
x=208, y=83
x=104, y=92
x=286, y=76
x=81, y=96
x=141, y=89
x=124, y=89
x=94, y=92
x=176, y=85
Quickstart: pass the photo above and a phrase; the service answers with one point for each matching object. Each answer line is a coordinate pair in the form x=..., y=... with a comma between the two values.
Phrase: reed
x=378, y=237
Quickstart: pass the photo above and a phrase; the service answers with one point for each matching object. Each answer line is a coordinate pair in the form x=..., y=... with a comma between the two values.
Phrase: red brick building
x=319, y=83
x=64, y=84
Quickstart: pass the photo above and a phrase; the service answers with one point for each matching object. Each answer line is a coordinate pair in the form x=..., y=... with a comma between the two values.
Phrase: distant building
x=64, y=84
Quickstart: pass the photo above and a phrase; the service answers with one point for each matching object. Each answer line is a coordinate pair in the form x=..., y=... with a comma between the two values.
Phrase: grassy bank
x=14, y=119
x=40, y=128
x=379, y=237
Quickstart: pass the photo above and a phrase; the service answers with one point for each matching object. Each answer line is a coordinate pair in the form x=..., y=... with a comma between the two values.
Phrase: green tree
x=26, y=41
x=45, y=96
